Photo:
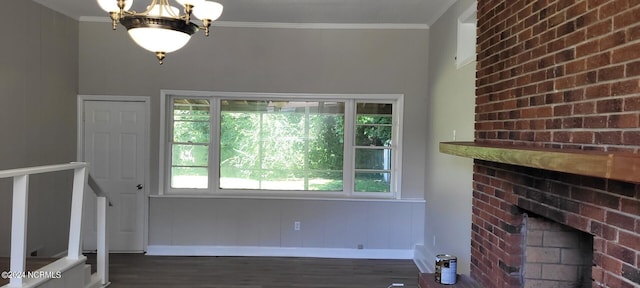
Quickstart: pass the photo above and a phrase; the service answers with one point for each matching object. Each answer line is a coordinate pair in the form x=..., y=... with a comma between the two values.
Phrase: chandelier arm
x=121, y=5
x=165, y=6
x=146, y=12
x=114, y=19
x=188, y=9
x=206, y=23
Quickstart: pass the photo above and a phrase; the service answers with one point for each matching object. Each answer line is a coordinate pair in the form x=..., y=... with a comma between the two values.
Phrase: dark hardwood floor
x=136, y=270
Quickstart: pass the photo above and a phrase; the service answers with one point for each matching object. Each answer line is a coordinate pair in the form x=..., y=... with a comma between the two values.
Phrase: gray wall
x=269, y=223
x=449, y=178
x=268, y=60
x=38, y=88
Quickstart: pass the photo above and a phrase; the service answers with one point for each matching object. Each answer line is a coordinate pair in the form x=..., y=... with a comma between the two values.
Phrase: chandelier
x=162, y=28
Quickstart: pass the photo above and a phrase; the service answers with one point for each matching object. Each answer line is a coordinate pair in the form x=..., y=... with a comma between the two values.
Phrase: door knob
x=139, y=186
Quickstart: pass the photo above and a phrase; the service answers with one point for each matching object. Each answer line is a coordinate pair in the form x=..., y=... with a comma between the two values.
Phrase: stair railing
x=19, y=212
x=102, y=248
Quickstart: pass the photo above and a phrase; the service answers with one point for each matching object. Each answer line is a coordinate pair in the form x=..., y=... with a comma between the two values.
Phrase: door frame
x=146, y=156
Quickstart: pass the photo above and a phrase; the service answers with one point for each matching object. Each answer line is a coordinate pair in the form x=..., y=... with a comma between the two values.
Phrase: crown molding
x=403, y=26
x=237, y=24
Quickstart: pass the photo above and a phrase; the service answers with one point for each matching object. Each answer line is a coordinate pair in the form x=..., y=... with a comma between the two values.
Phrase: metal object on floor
x=446, y=269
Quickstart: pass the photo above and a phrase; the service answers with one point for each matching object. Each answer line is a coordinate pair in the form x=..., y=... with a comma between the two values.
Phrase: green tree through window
x=190, y=143
x=281, y=145
x=233, y=144
x=373, y=147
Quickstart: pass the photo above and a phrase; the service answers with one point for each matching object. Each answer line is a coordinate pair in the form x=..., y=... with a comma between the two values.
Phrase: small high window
x=467, y=22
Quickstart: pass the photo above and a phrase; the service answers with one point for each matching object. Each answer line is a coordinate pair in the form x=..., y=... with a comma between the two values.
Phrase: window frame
x=350, y=100
x=466, y=36
x=171, y=142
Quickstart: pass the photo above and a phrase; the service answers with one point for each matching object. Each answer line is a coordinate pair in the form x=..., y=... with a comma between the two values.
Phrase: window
x=281, y=144
x=466, y=45
x=190, y=143
x=374, y=123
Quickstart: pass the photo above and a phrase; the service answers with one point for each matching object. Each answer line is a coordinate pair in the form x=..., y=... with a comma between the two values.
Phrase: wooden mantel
x=610, y=165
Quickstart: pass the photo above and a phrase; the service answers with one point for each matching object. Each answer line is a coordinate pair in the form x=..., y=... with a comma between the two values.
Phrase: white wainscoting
x=265, y=227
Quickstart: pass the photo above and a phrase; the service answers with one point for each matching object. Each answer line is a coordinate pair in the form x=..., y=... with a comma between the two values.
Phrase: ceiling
x=412, y=12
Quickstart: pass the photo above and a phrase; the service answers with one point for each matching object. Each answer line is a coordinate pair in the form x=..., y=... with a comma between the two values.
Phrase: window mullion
x=260, y=149
x=214, y=145
x=348, y=171
x=306, y=171
x=168, y=153
x=396, y=148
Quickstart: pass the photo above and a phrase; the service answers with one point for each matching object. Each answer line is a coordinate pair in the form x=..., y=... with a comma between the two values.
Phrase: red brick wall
x=559, y=74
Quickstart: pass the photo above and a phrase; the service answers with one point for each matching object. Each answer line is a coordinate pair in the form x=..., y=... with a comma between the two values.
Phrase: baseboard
x=424, y=259
x=196, y=250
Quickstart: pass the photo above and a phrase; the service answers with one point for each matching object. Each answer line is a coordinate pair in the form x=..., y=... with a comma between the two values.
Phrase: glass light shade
x=190, y=2
x=208, y=10
x=158, y=39
x=112, y=5
x=164, y=11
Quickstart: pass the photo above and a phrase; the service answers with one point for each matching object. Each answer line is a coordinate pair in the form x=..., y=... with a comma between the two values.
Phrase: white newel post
x=75, y=224
x=19, y=228
x=102, y=257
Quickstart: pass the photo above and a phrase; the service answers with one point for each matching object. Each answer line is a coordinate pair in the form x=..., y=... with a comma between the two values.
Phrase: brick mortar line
x=569, y=185
x=549, y=28
x=553, y=105
x=598, y=83
x=556, y=118
x=553, y=53
x=558, y=90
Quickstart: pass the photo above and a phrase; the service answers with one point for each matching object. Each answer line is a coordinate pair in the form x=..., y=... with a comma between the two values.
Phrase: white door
x=114, y=137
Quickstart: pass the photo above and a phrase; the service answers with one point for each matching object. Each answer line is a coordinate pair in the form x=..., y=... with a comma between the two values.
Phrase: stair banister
x=75, y=224
x=20, y=211
x=102, y=248
x=20, y=200
x=19, y=227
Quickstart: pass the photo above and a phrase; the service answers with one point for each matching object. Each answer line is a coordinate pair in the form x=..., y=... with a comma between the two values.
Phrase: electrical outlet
x=296, y=225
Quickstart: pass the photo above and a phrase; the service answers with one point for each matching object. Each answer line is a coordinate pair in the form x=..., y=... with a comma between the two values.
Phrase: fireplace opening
x=555, y=255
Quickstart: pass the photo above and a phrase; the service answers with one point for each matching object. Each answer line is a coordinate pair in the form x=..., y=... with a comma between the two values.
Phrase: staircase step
x=87, y=274
x=428, y=280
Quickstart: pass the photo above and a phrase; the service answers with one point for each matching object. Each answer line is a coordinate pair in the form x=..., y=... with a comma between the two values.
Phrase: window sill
x=197, y=196
x=609, y=165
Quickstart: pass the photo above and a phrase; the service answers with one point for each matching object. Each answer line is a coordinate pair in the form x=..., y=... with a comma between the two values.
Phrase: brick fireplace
x=561, y=75
x=555, y=255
